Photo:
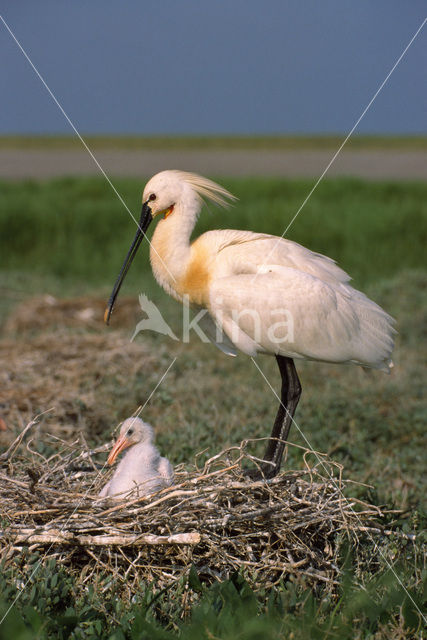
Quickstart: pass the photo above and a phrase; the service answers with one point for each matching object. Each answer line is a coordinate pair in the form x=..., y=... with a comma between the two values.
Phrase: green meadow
x=68, y=237
x=296, y=142
x=78, y=231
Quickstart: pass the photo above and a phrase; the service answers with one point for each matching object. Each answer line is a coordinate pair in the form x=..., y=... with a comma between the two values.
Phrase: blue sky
x=213, y=66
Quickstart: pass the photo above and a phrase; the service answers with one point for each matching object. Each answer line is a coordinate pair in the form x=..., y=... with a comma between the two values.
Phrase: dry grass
x=52, y=358
x=214, y=518
x=85, y=312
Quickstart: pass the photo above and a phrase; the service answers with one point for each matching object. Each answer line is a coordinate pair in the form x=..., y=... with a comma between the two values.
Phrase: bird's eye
x=130, y=432
x=152, y=196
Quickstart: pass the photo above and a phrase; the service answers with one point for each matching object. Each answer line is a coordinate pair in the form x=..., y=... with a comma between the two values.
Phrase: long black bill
x=144, y=223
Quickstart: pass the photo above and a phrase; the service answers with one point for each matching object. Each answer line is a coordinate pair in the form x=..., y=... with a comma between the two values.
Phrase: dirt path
x=375, y=164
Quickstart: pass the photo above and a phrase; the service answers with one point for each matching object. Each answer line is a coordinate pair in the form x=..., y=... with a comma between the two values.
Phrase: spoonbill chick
x=262, y=293
x=142, y=470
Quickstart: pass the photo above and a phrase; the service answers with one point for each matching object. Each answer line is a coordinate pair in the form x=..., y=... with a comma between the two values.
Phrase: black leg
x=290, y=395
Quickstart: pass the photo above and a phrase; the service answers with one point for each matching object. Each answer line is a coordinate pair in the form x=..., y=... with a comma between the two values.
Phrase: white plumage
x=142, y=470
x=230, y=272
x=261, y=293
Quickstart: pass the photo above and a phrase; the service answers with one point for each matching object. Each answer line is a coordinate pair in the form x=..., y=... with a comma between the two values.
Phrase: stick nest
x=213, y=517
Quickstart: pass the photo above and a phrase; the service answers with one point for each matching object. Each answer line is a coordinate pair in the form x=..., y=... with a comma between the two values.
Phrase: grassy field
x=215, y=142
x=68, y=238
x=77, y=230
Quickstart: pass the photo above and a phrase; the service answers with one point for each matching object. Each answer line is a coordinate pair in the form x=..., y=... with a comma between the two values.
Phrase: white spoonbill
x=142, y=470
x=262, y=293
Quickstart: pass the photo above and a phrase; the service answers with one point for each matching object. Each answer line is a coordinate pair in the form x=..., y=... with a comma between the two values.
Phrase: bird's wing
x=215, y=334
x=282, y=310
x=143, y=478
x=166, y=471
x=247, y=252
x=105, y=489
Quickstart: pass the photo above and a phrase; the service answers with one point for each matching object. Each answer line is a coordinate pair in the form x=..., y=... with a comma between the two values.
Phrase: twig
x=54, y=536
x=7, y=455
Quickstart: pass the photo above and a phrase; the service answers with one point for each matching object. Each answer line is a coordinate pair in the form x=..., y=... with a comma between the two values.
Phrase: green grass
x=76, y=229
x=205, y=142
x=227, y=610
x=68, y=236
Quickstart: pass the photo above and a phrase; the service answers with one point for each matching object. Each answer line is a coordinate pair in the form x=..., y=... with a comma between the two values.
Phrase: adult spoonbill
x=142, y=470
x=262, y=293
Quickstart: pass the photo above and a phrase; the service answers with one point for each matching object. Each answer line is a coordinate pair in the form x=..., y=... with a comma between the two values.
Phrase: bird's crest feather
x=207, y=189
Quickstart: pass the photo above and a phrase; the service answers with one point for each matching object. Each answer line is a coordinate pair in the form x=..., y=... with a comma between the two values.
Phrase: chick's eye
x=152, y=196
x=130, y=432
